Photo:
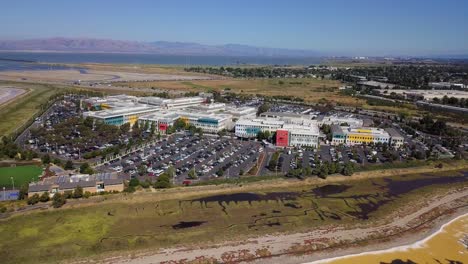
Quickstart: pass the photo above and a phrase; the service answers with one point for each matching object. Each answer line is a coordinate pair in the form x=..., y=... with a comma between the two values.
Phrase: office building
x=208, y=122
x=354, y=136
x=290, y=133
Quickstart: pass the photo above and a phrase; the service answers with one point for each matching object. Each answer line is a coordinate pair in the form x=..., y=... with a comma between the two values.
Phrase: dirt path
x=402, y=226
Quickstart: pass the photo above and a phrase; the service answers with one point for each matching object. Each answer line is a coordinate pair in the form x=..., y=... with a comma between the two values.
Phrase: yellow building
x=353, y=136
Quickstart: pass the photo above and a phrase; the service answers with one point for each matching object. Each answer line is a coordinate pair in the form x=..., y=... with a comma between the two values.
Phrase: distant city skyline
x=336, y=27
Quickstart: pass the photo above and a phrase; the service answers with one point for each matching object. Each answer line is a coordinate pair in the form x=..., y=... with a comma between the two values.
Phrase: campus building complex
x=121, y=115
x=208, y=122
x=292, y=133
x=162, y=112
x=364, y=135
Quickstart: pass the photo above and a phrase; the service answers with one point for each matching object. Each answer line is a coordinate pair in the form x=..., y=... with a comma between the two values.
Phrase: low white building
x=359, y=135
x=287, y=133
x=121, y=115
x=249, y=128
x=208, y=122
x=348, y=119
x=242, y=112
x=172, y=103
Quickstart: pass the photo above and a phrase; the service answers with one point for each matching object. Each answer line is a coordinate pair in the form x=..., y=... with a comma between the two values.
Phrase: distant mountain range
x=157, y=47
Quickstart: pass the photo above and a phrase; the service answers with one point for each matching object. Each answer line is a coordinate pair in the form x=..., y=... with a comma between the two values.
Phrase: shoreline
x=437, y=229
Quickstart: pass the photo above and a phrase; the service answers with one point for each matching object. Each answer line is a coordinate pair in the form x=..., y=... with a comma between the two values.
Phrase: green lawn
x=21, y=175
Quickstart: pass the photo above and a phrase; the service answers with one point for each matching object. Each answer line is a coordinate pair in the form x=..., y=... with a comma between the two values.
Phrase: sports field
x=21, y=175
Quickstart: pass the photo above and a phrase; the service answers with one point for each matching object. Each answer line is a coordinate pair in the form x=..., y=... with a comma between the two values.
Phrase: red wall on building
x=163, y=127
x=282, y=138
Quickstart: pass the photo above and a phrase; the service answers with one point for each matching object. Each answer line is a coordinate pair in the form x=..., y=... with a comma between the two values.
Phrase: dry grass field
x=311, y=90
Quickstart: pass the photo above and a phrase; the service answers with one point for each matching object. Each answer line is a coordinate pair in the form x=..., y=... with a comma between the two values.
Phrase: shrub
x=145, y=184
x=58, y=200
x=68, y=194
x=78, y=192
x=134, y=182
x=163, y=181
x=44, y=197
x=33, y=199
x=129, y=189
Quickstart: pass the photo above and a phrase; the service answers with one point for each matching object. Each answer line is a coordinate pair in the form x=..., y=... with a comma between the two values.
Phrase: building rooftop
x=133, y=108
x=68, y=182
x=393, y=132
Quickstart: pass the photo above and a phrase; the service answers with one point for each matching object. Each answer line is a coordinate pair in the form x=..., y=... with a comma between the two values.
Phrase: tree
x=153, y=129
x=192, y=174
x=78, y=192
x=163, y=181
x=141, y=169
x=86, y=169
x=44, y=197
x=146, y=126
x=348, y=169
x=33, y=199
x=171, y=171
x=180, y=124
x=134, y=182
x=222, y=133
x=263, y=108
x=46, y=159
x=273, y=161
x=200, y=132
x=136, y=126
x=88, y=122
x=145, y=184
x=67, y=194
x=58, y=200
x=23, y=192
x=263, y=135
x=324, y=169
x=129, y=189
x=57, y=162
x=69, y=165
x=125, y=128
x=220, y=172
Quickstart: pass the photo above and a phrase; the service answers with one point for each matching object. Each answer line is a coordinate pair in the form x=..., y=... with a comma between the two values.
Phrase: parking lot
x=360, y=155
x=207, y=157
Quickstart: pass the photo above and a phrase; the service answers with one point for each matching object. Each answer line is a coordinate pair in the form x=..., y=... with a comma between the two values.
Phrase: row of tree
x=453, y=101
x=322, y=170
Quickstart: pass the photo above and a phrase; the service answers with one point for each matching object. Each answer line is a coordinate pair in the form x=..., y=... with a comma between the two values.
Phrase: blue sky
x=353, y=27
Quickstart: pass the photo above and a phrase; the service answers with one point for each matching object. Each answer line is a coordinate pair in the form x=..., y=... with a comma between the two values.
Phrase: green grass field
x=20, y=174
x=126, y=222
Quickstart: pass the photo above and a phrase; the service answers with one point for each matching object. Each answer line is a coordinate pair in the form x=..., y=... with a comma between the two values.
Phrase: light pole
x=4, y=193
